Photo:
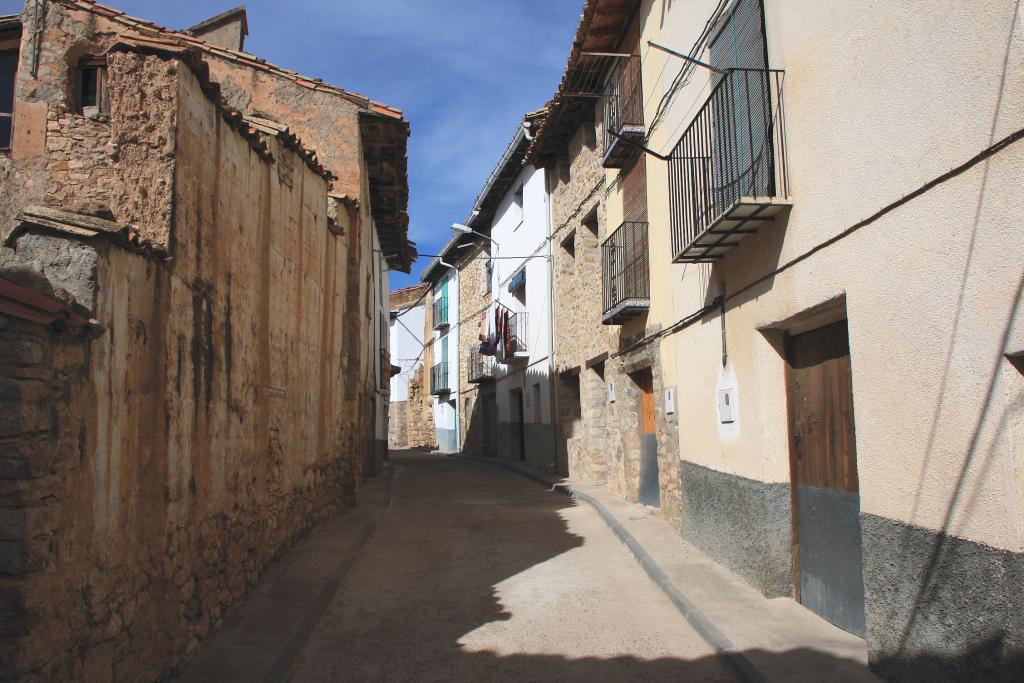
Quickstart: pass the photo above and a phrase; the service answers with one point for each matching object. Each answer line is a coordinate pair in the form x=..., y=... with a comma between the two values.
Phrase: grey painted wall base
x=941, y=607
x=540, y=446
x=447, y=440
x=742, y=523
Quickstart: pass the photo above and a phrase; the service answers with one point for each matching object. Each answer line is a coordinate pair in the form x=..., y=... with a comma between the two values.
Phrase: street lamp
x=459, y=227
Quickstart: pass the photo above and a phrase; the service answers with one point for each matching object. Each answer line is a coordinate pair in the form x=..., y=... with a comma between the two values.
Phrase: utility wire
x=720, y=301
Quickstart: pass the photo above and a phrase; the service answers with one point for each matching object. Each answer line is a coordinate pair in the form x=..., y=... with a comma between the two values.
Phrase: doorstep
x=747, y=629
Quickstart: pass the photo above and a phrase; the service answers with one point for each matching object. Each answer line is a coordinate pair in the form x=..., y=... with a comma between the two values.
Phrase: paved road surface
x=477, y=574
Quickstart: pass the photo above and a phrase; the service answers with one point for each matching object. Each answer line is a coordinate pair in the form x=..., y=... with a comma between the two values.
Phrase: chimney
x=227, y=29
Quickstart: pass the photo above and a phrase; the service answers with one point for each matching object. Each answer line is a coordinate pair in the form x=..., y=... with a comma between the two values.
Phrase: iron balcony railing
x=623, y=111
x=518, y=328
x=479, y=368
x=625, y=273
x=732, y=153
x=439, y=379
x=441, y=312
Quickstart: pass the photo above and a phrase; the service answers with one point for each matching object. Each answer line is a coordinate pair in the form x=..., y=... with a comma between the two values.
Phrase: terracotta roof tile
x=21, y=302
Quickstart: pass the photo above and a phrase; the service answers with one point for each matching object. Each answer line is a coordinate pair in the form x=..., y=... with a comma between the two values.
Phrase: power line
x=719, y=301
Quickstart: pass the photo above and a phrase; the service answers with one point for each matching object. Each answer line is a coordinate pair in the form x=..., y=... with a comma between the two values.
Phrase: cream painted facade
x=901, y=124
x=854, y=146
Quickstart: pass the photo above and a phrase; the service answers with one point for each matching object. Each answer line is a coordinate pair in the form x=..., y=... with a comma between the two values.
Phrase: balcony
x=626, y=283
x=518, y=328
x=441, y=313
x=479, y=368
x=727, y=174
x=439, y=379
x=624, y=127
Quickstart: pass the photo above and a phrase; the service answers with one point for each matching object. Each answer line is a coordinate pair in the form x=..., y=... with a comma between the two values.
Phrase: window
x=93, y=98
x=517, y=206
x=569, y=244
x=517, y=285
x=8, y=70
x=485, y=276
x=567, y=266
x=590, y=222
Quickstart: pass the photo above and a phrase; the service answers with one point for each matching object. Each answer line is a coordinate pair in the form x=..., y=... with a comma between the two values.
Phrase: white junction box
x=726, y=405
x=611, y=392
x=670, y=401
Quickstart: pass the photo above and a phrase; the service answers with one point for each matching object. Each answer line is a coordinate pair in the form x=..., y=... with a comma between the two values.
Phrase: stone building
x=443, y=350
x=411, y=410
x=814, y=303
x=193, y=329
x=511, y=220
x=477, y=401
x=613, y=425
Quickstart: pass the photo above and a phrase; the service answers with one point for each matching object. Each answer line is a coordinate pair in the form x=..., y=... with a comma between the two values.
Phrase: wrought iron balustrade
x=441, y=312
x=625, y=273
x=479, y=368
x=518, y=328
x=727, y=173
x=623, y=112
x=439, y=379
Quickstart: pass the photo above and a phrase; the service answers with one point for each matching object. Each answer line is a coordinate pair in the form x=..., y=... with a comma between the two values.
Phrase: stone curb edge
x=284, y=665
x=735, y=660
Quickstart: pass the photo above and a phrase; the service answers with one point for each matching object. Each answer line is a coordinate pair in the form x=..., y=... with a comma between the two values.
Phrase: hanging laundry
x=499, y=337
x=488, y=344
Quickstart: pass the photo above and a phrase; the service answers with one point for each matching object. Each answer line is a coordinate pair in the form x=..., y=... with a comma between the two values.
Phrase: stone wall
x=150, y=475
x=474, y=301
x=579, y=220
x=624, y=423
x=420, y=411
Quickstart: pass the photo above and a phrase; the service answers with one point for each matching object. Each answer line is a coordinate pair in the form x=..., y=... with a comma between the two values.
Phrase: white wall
x=525, y=234
x=406, y=350
x=446, y=405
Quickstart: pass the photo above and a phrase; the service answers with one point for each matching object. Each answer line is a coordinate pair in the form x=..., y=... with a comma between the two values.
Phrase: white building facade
x=444, y=371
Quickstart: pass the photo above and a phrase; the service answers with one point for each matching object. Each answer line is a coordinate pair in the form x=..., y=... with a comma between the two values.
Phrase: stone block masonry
x=153, y=466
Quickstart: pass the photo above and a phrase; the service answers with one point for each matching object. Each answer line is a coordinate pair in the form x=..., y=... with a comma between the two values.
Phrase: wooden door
x=823, y=468
x=650, y=483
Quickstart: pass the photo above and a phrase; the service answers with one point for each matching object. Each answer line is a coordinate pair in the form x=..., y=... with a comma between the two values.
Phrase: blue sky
x=464, y=72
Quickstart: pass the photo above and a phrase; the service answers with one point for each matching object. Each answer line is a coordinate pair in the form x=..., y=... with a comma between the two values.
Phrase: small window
x=517, y=202
x=8, y=71
x=590, y=222
x=93, y=98
x=569, y=244
x=485, y=276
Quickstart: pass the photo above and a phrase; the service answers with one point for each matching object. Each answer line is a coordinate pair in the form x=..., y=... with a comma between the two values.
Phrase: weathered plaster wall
x=202, y=432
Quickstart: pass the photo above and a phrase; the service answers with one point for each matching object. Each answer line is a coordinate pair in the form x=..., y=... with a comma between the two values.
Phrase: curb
x=286, y=661
x=732, y=658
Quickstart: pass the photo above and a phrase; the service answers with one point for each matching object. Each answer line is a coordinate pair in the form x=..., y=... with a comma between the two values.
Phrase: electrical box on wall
x=670, y=401
x=611, y=392
x=727, y=405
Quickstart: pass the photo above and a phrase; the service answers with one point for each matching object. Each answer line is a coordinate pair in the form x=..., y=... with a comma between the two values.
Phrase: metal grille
x=439, y=378
x=734, y=148
x=479, y=367
x=623, y=99
x=441, y=312
x=518, y=328
x=625, y=267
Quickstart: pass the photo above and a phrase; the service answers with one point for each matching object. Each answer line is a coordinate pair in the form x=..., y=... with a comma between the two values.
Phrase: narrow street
x=475, y=573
